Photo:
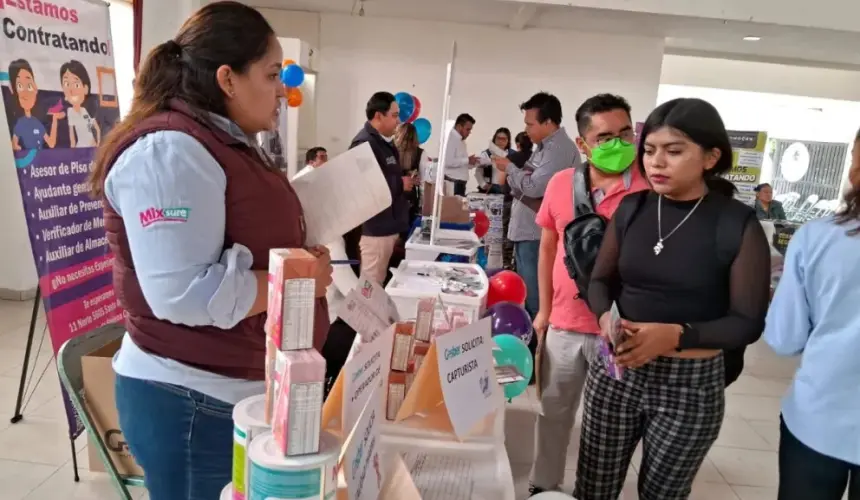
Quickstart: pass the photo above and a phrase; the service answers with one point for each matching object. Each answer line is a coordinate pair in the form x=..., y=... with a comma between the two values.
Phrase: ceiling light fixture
x=752, y=38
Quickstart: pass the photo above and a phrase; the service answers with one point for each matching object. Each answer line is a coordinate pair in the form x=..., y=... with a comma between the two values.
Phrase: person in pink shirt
x=567, y=329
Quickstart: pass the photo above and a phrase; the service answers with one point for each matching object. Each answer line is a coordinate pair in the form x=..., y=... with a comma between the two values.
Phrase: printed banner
x=747, y=158
x=59, y=92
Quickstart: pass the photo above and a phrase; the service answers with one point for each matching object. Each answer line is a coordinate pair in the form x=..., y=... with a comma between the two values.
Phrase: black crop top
x=724, y=300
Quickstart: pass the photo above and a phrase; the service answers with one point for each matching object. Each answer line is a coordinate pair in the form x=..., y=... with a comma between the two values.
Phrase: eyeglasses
x=626, y=136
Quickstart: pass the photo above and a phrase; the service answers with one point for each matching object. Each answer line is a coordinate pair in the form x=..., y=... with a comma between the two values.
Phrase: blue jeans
x=526, y=256
x=181, y=438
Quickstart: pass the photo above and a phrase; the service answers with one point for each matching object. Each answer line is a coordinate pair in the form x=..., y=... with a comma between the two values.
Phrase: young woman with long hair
x=415, y=162
x=192, y=208
x=689, y=269
x=814, y=316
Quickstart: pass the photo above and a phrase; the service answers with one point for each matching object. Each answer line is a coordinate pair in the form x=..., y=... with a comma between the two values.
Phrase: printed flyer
x=59, y=92
x=747, y=158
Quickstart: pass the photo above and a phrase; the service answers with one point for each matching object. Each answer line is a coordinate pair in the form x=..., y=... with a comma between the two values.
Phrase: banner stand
x=19, y=403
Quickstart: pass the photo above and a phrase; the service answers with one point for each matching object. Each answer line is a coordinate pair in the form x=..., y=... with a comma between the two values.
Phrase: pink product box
x=402, y=349
x=290, y=319
x=271, y=380
x=297, y=420
x=397, y=382
x=424, y=319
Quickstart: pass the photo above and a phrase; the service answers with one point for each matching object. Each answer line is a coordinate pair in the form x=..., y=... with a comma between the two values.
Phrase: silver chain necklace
x=660, y=238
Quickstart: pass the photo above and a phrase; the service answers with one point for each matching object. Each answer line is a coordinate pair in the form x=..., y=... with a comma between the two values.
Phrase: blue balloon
x=513, y=351
x=293, y=75
x=423, y=129
x=406, y=104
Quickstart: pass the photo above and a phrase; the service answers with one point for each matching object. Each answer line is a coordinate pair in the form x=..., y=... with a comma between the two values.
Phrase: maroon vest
x=262, y=212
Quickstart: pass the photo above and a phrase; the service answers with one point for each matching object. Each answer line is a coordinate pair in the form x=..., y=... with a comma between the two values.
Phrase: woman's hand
x=645, y=342
x=324, y=270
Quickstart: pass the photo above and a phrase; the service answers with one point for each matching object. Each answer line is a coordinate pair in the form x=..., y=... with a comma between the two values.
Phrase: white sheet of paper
x=368, y=309
x=341, y=195
x=467, y=375
x=497, y=151
x=441, y=477
x=363, y=467
x=366, y=369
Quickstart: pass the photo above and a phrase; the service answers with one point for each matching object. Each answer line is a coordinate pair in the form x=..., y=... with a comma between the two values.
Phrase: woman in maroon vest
x=192, y=208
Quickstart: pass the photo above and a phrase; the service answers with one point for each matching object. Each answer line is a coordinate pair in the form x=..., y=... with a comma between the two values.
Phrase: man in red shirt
x=567, y=329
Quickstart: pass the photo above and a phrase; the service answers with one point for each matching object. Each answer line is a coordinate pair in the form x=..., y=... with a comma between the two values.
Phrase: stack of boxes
x=295, y=372
x=493, y=206
x=398, y=378
x=411, y=345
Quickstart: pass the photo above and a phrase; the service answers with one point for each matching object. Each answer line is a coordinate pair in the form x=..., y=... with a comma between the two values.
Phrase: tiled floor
x=35, y=462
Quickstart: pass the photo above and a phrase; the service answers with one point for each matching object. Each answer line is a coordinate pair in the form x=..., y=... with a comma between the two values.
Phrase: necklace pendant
x=658, y=247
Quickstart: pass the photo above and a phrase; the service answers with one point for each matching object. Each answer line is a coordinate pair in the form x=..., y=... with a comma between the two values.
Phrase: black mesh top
x=722, y=293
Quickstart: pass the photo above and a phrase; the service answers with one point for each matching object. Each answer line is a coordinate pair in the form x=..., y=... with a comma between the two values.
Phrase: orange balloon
x=287, y=62
x=294, y=97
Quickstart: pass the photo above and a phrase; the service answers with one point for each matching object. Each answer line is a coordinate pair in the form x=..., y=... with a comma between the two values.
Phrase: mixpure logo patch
x=154, y=215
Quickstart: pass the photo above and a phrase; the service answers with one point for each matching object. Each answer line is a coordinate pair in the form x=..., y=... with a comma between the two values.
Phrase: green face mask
x=613, y=157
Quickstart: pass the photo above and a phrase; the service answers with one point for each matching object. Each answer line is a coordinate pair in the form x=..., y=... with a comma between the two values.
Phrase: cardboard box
x=396, y=394
x=290, y=320
x=297, y=421
x=402, y=349
x=455, y=209
x=99, y=380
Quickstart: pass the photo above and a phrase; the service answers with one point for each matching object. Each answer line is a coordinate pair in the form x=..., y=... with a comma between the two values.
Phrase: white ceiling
x=684, y=35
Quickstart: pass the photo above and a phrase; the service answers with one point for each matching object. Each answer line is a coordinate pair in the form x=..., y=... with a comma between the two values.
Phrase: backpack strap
x=734, y=217
x=626, y=212
x=582, y=204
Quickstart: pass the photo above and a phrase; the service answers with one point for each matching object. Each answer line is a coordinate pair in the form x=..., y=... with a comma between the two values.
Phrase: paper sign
x=343, y=195
x=362, y=464
x=467, y=375
x=367, y=366
x=368, y=309
x=457, y=378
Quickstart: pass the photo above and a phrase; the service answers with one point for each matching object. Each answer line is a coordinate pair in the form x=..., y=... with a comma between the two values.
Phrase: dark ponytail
x=721, y=185
x=851, y=212
x=221, y=33
x=701, y=122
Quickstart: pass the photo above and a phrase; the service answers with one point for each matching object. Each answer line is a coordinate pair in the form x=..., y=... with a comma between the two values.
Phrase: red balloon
x=481, y=223
x=506, y=286
x=416, y=110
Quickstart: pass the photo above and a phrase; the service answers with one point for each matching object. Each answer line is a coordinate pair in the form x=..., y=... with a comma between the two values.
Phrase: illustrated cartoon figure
x=28, y=131
x=378, y=472
x=484, y=383
x=84, y=131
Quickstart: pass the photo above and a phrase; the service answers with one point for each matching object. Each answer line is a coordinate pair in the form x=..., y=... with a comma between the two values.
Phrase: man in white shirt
x=457, y=160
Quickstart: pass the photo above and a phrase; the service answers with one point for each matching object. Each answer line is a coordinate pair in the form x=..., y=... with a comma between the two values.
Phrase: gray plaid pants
x=674, y=406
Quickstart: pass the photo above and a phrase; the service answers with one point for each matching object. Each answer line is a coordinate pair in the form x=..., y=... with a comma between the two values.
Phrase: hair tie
x=173, y=48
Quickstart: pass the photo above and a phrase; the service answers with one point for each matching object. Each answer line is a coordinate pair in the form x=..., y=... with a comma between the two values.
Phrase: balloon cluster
x=292, y=76
x=410, y=109
x=511, y=326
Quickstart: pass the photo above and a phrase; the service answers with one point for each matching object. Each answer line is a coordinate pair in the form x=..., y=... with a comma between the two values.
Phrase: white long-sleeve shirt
x=456, y=157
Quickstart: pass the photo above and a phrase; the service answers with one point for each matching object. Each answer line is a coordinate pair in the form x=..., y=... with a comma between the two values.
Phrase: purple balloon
x=512, y=319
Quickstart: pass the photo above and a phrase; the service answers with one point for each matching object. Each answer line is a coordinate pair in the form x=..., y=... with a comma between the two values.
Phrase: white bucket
x=249, y=421
x=302, y=477
x=227, y=492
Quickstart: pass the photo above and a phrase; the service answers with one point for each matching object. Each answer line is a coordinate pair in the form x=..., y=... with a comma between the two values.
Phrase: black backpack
x=730, y=232
x=584, y=234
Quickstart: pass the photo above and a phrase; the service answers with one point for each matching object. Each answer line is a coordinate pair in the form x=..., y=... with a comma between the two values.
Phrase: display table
x=478, y=466
x=448, y=242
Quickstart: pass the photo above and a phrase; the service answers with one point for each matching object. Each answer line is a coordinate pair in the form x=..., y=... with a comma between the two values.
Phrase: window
x=122, y=35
